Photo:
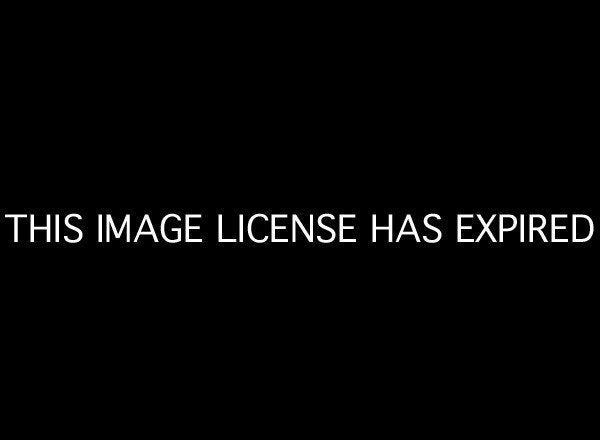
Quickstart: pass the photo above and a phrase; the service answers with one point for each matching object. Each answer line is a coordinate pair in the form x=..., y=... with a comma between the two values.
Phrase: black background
x=386, y=112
